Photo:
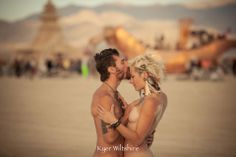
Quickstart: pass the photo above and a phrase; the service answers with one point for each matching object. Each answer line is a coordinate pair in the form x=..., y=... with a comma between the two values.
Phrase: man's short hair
x=103, y=60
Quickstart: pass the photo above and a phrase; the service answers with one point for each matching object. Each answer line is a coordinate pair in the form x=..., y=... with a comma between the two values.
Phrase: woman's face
x=137, y=80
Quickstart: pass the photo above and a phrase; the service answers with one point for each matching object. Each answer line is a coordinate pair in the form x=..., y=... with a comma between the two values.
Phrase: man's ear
x=111, y=70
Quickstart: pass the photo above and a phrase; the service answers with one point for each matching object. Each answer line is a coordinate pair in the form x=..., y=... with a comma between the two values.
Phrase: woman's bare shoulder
x=132, y=104
x=153, y=98
x=135, y=102
x=152, y=101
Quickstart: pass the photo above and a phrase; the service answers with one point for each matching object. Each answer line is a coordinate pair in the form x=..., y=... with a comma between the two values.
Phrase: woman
x=144, y=113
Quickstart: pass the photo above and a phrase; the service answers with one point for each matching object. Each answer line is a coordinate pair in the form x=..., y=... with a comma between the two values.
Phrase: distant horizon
x=21, y=10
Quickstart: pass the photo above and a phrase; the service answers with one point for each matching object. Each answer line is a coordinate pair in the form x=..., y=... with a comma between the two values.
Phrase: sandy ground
x=51, y=118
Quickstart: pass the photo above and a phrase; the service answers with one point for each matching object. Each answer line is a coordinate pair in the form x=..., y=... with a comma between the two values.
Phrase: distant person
x=17, y=66
x=49, y=65
x=84, y=67
x=234, y=67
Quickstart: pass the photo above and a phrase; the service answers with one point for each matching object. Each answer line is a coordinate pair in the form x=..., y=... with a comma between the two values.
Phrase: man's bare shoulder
x=101, y=97
x=101, y=94
x=98, y=92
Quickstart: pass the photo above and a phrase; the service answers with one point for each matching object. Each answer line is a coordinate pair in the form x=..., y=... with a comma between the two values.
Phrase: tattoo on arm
x=104, y=126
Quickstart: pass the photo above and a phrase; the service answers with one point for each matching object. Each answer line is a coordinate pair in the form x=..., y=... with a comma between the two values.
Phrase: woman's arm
x=146, y=119
x=124, y=119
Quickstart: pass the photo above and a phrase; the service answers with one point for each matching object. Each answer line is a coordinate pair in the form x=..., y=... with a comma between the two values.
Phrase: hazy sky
x=12, y=10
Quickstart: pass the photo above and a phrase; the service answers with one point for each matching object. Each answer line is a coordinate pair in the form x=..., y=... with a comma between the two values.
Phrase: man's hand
x=105, y=115
x=150, y=138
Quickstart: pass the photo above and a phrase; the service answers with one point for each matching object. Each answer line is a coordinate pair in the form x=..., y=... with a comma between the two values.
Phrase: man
x=112, y=69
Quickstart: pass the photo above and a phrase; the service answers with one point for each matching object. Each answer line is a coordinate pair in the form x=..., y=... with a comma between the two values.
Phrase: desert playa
x=50, y=117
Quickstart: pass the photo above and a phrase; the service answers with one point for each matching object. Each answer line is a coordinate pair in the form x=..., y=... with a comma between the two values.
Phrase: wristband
x=115, y=124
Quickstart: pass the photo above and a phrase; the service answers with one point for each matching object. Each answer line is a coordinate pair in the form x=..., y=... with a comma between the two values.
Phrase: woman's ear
x=145, y=75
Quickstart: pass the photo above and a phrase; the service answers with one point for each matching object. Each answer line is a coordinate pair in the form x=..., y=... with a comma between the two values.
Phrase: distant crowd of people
x=207, y=69
x=59, y=66
x=49, y=67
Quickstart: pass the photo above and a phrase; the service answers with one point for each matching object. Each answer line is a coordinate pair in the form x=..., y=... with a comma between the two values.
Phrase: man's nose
x=130, y=81
x=128, y=75
x=126, y=62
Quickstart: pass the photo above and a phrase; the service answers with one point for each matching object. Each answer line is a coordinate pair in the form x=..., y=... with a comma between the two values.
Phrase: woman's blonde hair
x=152, y=65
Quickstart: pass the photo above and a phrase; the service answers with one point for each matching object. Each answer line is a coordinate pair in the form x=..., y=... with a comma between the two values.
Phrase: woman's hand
x=125, y=104
x=150, y=138
x=105, y=115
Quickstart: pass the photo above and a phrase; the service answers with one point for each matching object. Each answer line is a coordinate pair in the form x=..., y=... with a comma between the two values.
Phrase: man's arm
x=109, y=135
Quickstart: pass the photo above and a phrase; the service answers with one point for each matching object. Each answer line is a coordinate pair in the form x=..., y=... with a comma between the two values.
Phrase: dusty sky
x=12, y=10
